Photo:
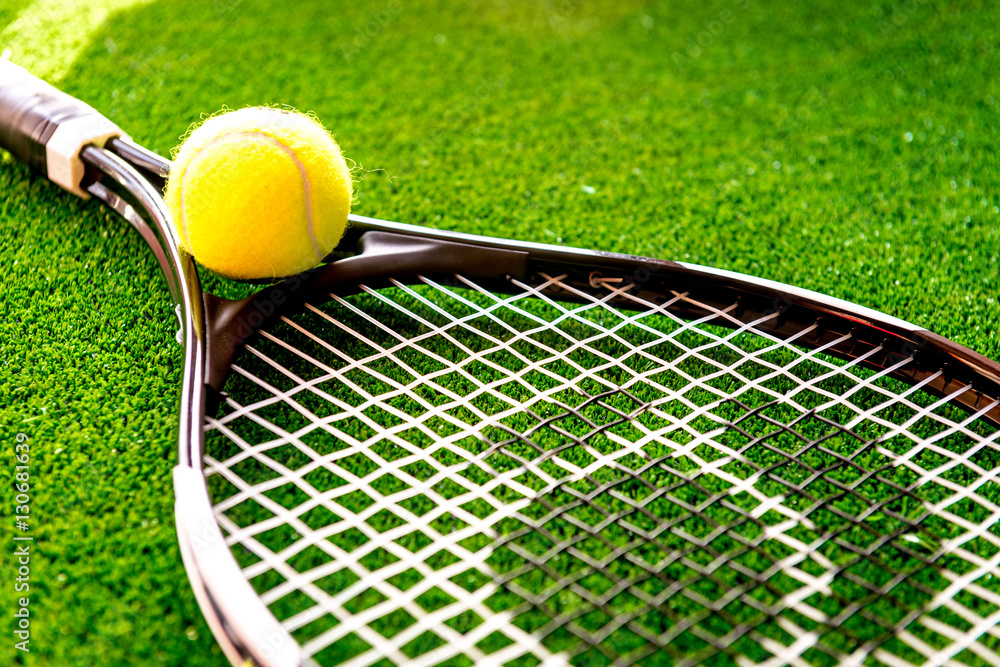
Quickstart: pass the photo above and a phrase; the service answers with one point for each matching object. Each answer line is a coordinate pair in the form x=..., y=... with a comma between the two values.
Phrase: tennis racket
x=445, y=449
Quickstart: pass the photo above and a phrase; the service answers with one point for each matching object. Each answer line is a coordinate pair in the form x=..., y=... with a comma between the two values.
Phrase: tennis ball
x=259, y=193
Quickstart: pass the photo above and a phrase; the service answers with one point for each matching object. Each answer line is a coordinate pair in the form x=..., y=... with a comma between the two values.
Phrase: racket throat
x=383, y=257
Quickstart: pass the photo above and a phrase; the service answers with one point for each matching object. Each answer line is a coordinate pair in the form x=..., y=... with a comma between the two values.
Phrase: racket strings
x=435, y=474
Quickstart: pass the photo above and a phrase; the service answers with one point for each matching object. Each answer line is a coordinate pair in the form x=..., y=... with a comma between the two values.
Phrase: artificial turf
x=847, y=148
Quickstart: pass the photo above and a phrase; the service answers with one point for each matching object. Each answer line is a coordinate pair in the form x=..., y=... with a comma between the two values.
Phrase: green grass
x=849, y=148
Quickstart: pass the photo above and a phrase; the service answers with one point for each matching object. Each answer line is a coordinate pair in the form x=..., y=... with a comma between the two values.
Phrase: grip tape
x=46, y=129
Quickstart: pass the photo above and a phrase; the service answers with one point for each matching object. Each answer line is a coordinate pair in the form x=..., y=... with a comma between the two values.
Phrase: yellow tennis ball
x=259, y=193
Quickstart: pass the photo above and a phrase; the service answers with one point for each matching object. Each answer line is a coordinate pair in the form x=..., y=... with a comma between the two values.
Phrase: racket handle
x=46, y=129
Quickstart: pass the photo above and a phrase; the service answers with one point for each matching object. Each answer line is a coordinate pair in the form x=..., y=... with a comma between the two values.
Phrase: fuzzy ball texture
x=259, y=193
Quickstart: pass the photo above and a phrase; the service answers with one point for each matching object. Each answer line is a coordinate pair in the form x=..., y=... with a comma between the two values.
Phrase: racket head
x=442, y=449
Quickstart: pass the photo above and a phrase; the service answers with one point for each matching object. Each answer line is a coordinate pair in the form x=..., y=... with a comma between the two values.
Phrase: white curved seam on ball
x=306, y=185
